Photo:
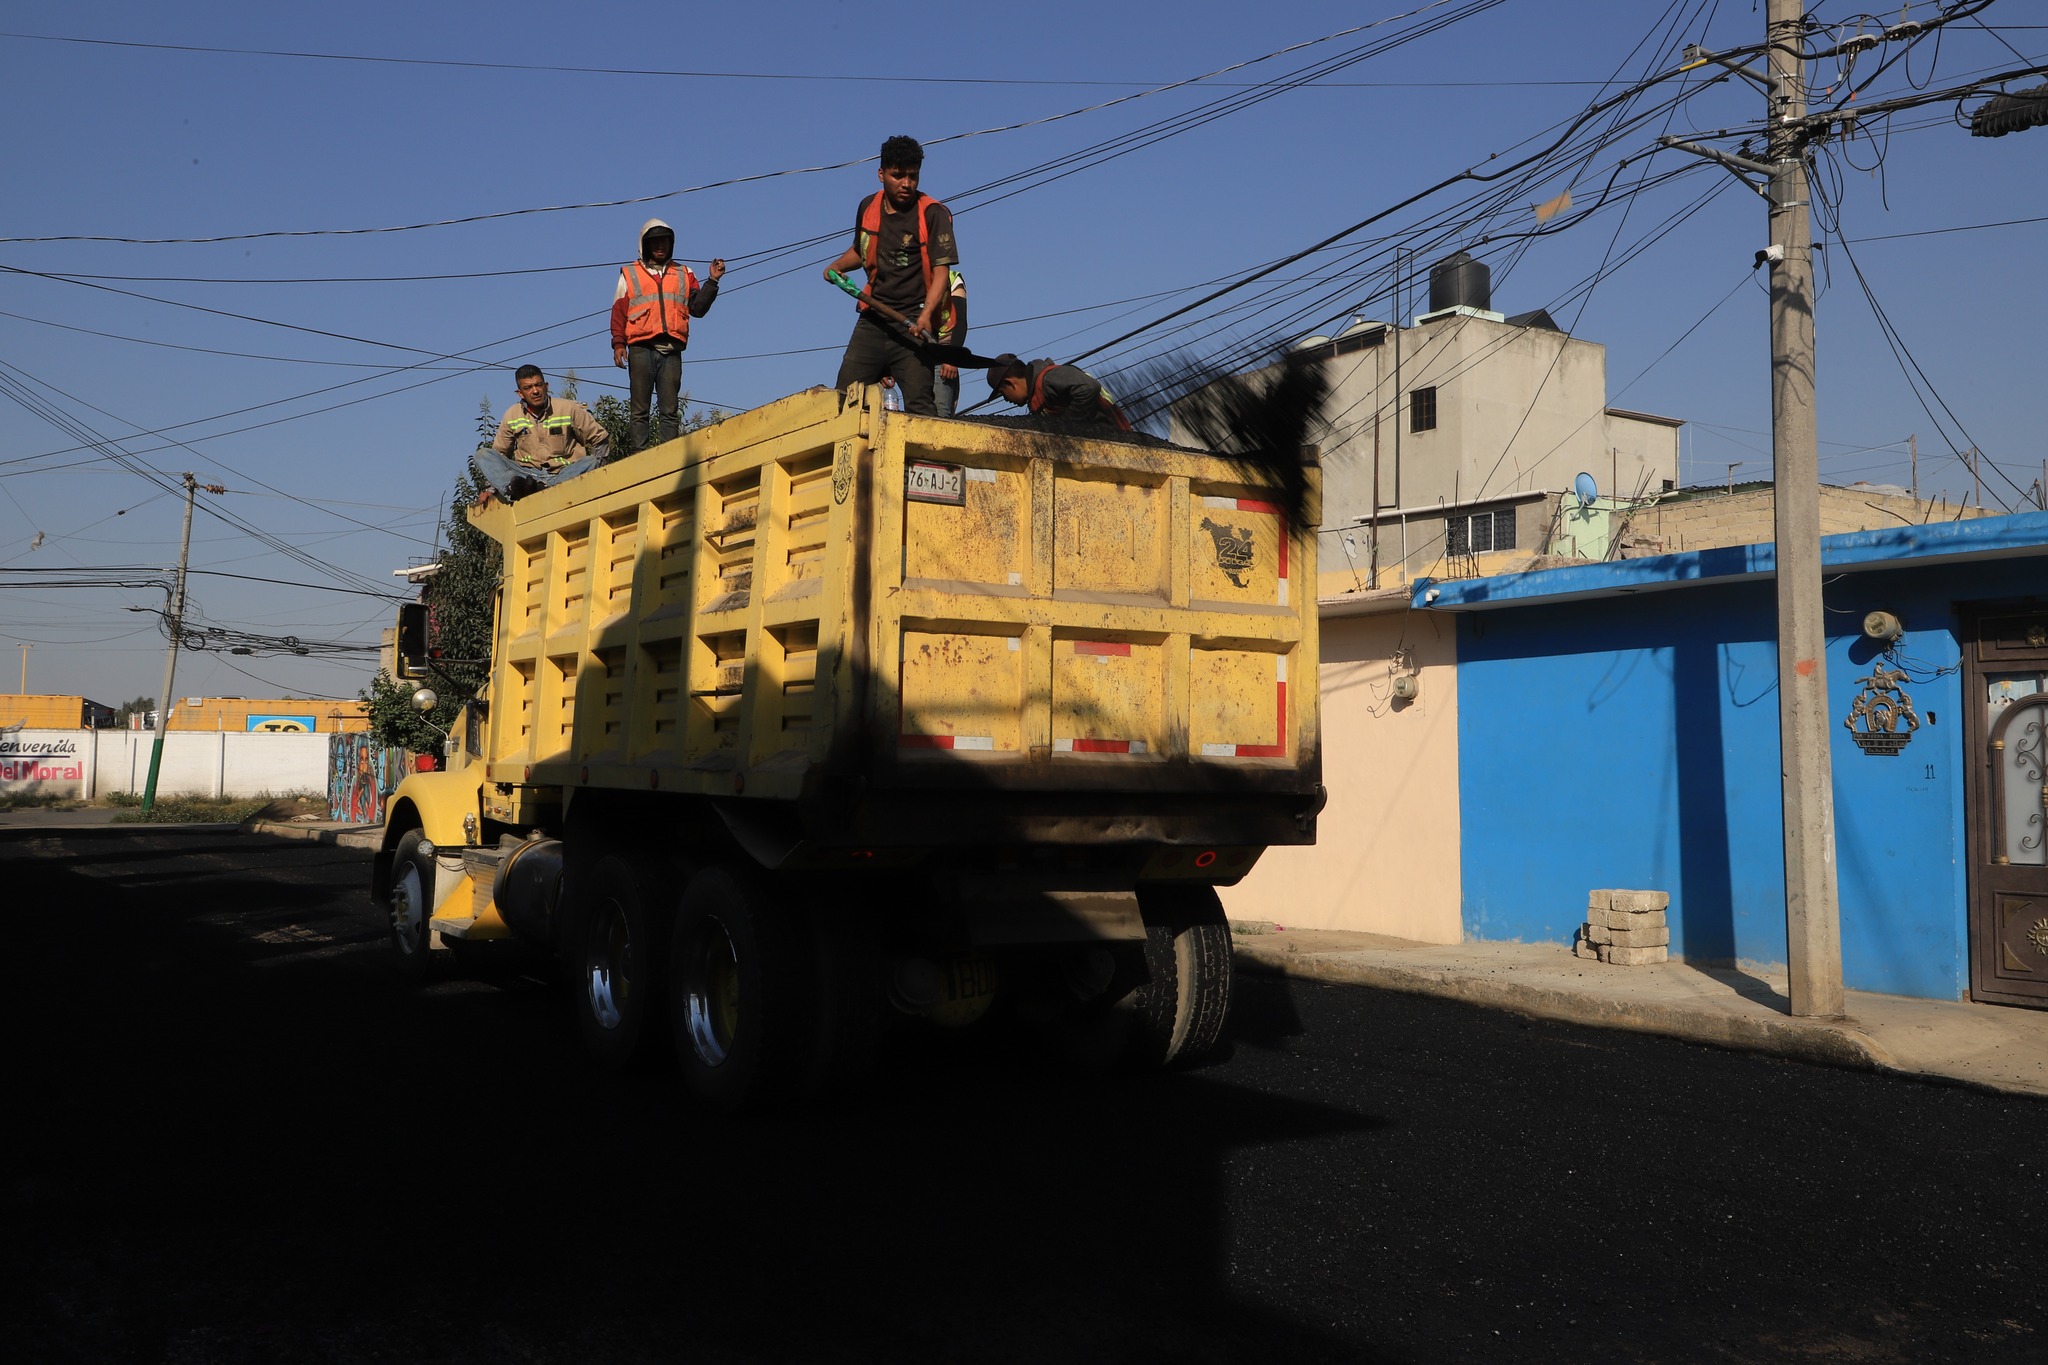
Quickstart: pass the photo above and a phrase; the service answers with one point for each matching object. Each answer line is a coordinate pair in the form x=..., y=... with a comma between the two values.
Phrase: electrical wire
x=1469, y=7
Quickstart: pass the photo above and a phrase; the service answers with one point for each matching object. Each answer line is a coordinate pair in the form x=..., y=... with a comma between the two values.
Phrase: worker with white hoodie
x=651, y=311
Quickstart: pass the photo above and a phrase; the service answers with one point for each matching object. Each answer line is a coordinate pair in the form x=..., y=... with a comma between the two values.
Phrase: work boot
x=521, y=485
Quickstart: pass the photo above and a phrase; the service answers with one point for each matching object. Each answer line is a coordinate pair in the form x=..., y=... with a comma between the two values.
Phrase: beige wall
x=1386, y=860
x=1704, y=520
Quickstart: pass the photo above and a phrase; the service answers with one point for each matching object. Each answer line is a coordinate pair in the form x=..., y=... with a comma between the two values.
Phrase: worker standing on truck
x=540, y=442
x=952, y=332
x=1065, y=393
x=651, y=311
x=904, y=240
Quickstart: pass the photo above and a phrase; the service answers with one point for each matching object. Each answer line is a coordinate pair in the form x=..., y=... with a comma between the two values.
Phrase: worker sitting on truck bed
x=540, y=442
x=651, y=311
x=1065, y=393
x=904, y=240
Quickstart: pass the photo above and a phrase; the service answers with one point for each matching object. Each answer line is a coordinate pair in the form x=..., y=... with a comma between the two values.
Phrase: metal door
x=2006, y=705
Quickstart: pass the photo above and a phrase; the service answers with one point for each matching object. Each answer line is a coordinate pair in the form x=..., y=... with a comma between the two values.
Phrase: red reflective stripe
x=924, y=741
x=1106, y=647
x=1102, y=746
x=1271, y=750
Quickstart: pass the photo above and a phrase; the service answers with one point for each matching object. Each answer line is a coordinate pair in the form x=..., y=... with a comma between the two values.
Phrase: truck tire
x=615, y=962
x=1151, y=1011
x=1193, y=916
x=416, y=949
x=742, y=990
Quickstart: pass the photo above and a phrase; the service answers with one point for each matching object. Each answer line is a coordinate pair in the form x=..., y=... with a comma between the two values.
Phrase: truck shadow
x=306, y=1162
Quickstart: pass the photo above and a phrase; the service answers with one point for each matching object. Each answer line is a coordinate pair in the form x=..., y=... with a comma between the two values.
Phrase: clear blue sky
x=134, y=142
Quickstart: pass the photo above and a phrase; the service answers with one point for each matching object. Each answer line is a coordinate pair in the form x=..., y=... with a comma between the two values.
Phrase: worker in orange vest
x=904, y=241
x=651, y=311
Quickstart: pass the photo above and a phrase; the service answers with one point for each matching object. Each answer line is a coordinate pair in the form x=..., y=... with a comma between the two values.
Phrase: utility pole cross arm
x=1743, y=166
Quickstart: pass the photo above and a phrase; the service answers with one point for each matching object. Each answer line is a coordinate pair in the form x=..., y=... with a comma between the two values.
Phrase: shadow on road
x=243, y=1142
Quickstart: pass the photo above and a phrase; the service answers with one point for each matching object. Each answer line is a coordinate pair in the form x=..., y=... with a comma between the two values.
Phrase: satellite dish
x=1586, y=489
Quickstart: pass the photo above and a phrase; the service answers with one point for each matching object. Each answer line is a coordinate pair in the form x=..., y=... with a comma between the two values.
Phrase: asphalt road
x=235, y=1139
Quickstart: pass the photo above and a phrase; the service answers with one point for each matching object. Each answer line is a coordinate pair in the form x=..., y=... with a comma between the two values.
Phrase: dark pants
x=649, y=373
x=876, y=349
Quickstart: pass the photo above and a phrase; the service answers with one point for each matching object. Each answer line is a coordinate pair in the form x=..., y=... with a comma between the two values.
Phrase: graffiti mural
x=361, y=773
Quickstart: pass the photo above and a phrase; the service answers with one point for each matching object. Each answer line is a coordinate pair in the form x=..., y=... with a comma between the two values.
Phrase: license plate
x=930, y=481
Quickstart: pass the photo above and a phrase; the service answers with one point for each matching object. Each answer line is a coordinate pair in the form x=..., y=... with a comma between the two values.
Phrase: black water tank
x=1460, y=279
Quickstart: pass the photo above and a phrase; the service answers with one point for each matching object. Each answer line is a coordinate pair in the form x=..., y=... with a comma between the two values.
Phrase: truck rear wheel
x=615, y=964
x=741, y=989
x=1200, y=962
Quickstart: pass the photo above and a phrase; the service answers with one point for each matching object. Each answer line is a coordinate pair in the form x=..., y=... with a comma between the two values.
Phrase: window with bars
x=1478, y=533
x=1422, y=409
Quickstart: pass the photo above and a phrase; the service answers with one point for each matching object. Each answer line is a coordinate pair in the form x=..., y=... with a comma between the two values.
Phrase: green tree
x=140, y=706
x=459, y=600
x=610, y=412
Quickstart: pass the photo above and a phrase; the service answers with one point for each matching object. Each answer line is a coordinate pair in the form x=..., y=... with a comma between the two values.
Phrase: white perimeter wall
x=89, y=763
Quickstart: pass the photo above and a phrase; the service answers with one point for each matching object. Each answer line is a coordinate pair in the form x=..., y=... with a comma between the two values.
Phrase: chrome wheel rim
x=608, y=966
x=712, y=1001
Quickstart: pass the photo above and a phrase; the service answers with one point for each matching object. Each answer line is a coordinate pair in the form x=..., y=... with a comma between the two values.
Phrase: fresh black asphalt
x=236, y=1139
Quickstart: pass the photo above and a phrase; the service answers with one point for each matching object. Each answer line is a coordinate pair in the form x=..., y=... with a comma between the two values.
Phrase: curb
x=367, y=836
x=1829, y=1044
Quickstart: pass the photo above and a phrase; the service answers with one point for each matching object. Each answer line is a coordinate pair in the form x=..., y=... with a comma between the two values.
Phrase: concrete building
x=1452, y=438
x=1704, y=518
x=1614, y=724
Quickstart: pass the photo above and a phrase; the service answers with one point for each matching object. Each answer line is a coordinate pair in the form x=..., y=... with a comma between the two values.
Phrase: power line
x=553, y=69
x=211, y=573
x=1472, y=6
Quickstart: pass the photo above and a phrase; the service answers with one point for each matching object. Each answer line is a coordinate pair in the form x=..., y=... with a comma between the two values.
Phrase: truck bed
x=901, y=626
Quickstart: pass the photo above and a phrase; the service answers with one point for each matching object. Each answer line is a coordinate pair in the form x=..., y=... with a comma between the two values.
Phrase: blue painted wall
x=1633, y=742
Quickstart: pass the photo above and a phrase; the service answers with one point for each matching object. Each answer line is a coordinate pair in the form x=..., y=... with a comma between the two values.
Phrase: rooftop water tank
x=1459, y=280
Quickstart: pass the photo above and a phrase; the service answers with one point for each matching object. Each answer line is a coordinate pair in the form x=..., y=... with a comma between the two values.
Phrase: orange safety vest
x=658, y=304
x=1102, y=399
x=870, y=250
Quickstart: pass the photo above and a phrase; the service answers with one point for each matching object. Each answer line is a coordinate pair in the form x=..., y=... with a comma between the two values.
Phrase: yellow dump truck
x=828, y=713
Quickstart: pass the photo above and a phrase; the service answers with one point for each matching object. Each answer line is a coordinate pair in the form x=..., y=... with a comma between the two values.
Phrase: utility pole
x=1913, y=456
x=24, y=667
x=177, y=624
x=1813, y=933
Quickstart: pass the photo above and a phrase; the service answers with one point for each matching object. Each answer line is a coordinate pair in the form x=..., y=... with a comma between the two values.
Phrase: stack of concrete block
x=1627, y=928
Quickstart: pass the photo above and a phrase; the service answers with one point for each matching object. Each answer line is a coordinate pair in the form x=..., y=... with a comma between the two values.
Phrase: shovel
x=940, y=354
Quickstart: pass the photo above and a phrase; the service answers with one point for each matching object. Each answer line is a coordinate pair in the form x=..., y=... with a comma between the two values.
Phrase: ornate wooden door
x=2006, y=705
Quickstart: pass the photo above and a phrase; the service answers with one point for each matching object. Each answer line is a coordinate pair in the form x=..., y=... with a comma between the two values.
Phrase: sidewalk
x=337, y=832
x=1998, y=1047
